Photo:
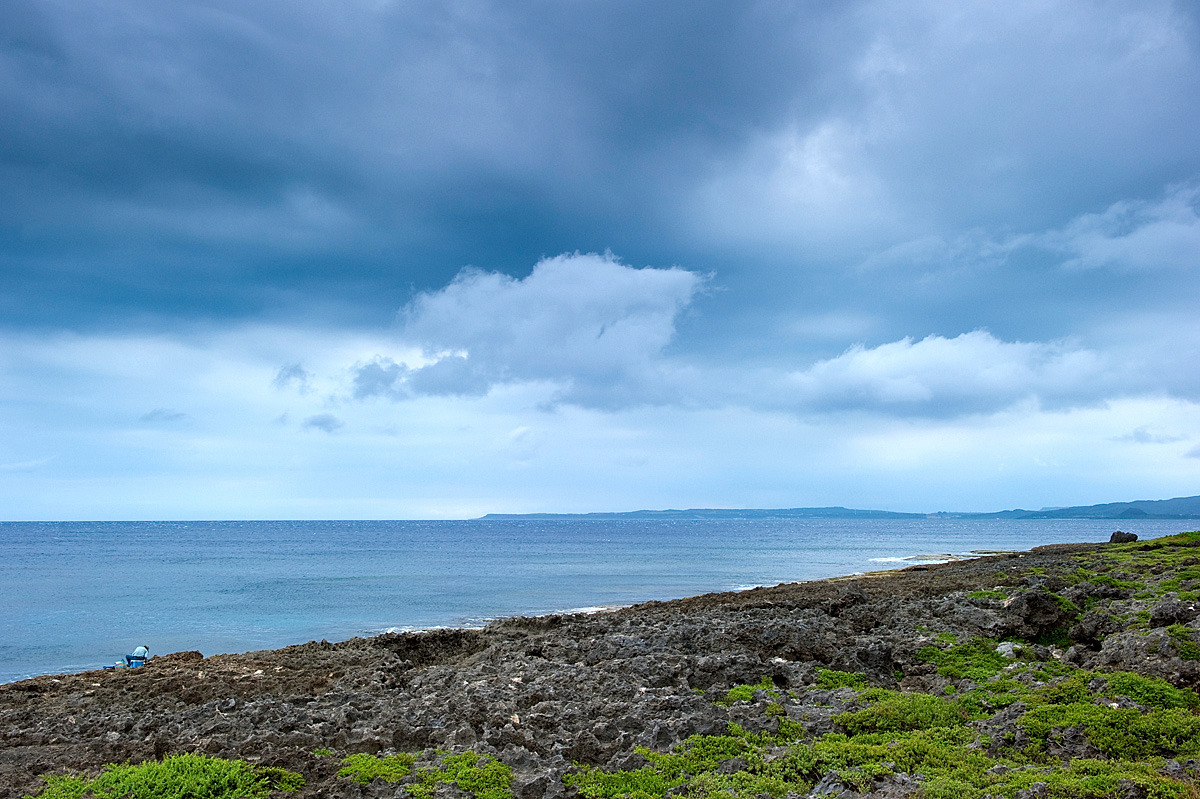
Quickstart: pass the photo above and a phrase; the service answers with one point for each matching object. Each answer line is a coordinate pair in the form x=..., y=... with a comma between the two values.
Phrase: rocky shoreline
x=552, y=695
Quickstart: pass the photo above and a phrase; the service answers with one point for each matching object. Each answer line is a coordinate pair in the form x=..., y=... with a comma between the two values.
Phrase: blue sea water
x=78, y=595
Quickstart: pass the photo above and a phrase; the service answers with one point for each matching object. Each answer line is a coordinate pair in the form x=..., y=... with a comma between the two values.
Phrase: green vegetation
x=974, y=660
x=1152, y=692
x=697, y=762
x=482, y=776
x=1068, y=607
x=1184, y=643
x=992, y=594
x=363, y=768
x=185, y=776
x=469, y=771
x=944, y=756
x=830, y=679
x=745, y=693
x=1119, y=732
x=930, y=738
x=892, y=711
x=889, y=733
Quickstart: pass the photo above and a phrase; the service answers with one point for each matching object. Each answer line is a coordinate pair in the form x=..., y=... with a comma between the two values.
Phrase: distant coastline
x=1177, y=508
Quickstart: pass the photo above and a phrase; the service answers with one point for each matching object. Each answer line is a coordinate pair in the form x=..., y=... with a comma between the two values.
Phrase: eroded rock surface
x=542, y=693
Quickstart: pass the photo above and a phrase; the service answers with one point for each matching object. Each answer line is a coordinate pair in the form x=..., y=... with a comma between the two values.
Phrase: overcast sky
x=409, y=259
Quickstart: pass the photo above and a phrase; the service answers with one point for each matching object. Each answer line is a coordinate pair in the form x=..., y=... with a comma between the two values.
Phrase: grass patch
x=745, y=692
x=1119, y=732
x=185, y=776
x=479, y=775
x=1185, y=645
x=892, y=711
x=1153, y=692
x=482, y=776
x=831, y=679
x=949, y=759
x=364, y=768
x=976, y=659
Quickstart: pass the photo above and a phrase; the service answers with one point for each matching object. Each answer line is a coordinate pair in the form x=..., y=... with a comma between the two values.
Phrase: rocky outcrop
x=540, y=694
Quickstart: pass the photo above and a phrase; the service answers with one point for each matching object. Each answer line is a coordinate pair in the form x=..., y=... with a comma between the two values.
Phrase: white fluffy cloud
x=942, y=376
x=1135, y=236
x=957, y=423
x=595, y=333
x=590, y=325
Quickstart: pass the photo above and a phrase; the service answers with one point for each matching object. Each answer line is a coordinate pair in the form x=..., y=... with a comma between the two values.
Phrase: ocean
x=78, y=595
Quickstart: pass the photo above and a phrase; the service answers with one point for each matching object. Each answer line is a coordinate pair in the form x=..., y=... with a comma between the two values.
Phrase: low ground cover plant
x=362, y=767
x=477, y=774
x=184, y=776
x=942, y=740
x=953, y=745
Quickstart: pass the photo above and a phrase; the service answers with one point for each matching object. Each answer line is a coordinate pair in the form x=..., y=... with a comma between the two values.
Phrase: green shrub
x=185, y=776
x=830, y=679
x=1066, y=690
x=363, y=768
x=482, y=776
x=648, y=781
x=1184, y=644
x=898, y=712
x=976, y=659
x=1118, y=732
x=280, y=779
x=745, y=693
x=695, y=763
x=1154, y=692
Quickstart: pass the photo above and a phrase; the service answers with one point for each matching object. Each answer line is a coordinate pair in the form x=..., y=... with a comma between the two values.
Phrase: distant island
x=1177, y=508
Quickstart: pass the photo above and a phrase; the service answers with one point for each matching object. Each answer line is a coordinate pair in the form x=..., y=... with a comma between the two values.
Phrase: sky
x=420, y=260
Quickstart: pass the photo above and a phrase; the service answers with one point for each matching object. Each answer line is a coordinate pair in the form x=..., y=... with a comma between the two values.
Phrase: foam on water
x=923, y=560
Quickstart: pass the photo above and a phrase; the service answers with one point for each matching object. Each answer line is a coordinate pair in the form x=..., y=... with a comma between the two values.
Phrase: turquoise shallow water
x=78, y=595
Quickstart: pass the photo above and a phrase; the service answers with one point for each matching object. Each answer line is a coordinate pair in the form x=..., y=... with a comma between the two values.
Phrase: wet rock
x=1034, y=613
x=1093, y=627
x=1039, y=790
x=1069, y=743
x=830, y=785
x=1173, y=611
x=1008, y=649
x=1127, y=789
x=1122, y=538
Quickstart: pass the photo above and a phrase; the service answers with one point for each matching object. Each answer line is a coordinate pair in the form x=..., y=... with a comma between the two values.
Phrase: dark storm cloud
x=915, y=169
x=219, y=158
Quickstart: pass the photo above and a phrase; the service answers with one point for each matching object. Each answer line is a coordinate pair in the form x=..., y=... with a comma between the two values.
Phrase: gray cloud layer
x=235, y=159
x=601, y=334
x=587, y=322
x=944, y=242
